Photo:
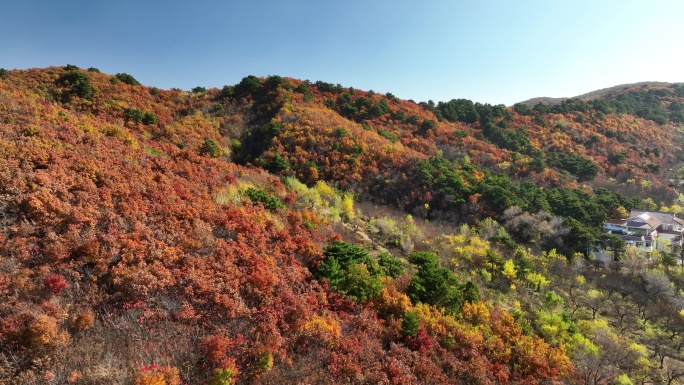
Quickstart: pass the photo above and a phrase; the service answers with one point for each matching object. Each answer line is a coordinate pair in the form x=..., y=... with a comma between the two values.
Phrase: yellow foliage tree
x=326, y=193
x=391, y=302
x=509, y=270
x=324, y=329
x=469, y=248
x=622, y=212
x=154, y=375
x=475, y=313
x=536, y=280
x=347, y=205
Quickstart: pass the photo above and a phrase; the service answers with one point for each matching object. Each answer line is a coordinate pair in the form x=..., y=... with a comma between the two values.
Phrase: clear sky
x=497, y=52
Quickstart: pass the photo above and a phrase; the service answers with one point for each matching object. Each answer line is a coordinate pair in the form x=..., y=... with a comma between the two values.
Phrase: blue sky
x=497, y=52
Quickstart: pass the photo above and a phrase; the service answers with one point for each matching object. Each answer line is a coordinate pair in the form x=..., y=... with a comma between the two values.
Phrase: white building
x=647, y=230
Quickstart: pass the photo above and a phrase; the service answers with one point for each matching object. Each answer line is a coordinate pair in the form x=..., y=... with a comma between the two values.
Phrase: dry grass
x=112, y=351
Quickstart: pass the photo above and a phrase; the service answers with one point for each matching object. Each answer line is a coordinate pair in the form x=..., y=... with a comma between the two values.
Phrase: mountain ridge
x=593, y=94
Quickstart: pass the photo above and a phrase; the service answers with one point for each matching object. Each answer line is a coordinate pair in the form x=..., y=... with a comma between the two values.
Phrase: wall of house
x=614, y=228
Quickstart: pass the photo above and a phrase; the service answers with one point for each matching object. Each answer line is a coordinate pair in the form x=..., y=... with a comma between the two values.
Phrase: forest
x=283, y=231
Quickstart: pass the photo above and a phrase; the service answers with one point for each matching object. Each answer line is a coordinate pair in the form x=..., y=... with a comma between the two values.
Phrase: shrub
x=224, y=376
x=391, y=97
x=248, y=85
x=120, y=133
x=412, y=119
x=211, y=149
x=388, y=135
x=227, y=91
x=410, y=324
x=278, y=163
x=360, y=283
x=305, y=90
x=128, y=79
x=264, y=362
x=77, y=83
x=438, y=286
x=149, y=118
x=113, y=131
x=340, y=132
x=391, y=266
x=93, y=69
x=460, y=133
x=274, y=81
x=351, y=271
x=215, y=348
x=31, y=130
x=54, y=284
x=273, y=128
x=427, y=125
x=522, y=109
x=138, y=116
x=270, y=203
x=3, y=72
x=155, y=375
x=198, y=90
x=133, y=114
x=323, y=330
x=42, y=331
x=398, y=115
x=583, y=168
x=70, y=67
x=83, y=320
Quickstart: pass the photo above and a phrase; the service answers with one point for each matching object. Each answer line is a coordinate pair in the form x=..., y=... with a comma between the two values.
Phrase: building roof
x=647, y=220
x=643, y=221
x=663, y=218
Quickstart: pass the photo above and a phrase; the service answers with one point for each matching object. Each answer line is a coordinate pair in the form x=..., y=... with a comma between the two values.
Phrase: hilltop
x=287, y=231
x=603, y=93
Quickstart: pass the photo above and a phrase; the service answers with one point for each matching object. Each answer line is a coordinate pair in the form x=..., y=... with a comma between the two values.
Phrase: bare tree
x=658, y=286
x=673, y=369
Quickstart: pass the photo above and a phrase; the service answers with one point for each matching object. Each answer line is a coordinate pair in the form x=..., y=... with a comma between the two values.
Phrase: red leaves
x=500, y=373
x=129, y=215
x=54, y=284
x=421, y=342
x=215, y=348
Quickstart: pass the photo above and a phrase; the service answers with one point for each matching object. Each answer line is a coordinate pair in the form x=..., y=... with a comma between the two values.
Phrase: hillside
x=598, y=94
x=283, y=231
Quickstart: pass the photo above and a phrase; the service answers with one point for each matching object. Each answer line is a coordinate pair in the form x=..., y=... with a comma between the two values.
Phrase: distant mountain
x=598, y=94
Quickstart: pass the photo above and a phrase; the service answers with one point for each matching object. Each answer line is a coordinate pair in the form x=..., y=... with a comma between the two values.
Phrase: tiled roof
x=664, y=218
x=644, y=218
x=641, y=219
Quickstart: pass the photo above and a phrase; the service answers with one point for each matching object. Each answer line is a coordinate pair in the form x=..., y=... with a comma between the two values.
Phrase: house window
x=647, y=244
x=638, y=244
